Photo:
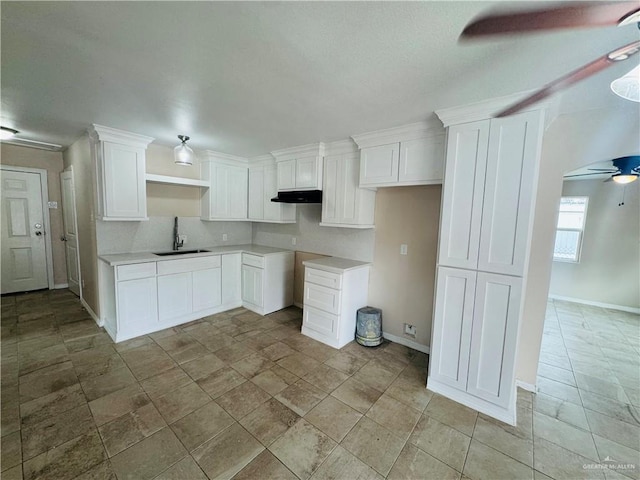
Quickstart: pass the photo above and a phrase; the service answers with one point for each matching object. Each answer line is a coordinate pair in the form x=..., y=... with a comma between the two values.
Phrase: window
x=571, y=220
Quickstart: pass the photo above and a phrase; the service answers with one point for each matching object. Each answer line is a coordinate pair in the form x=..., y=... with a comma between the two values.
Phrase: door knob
x=63, y=238
x=38, y=225
x=38, y=233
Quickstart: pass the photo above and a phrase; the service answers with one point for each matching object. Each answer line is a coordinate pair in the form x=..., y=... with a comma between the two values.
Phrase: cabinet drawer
x=253, y=260
x=320, y=277
x=322, y=322
x=136, y=270
x=324, y=298
x=188, y=264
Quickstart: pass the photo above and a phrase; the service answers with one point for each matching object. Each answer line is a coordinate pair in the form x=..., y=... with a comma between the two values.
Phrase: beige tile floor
x=244, y=396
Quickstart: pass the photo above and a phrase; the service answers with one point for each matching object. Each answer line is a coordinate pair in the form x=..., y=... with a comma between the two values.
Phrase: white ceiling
x=247, y=78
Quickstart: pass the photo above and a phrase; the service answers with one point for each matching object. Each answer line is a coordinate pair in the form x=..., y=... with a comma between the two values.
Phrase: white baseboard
x=407, y=343
x=611, y=306
x=526, y=386
x=59, y=286
x=92, y=313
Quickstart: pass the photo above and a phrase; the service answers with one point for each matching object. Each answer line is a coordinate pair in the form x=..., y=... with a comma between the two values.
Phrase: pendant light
x=182, y=154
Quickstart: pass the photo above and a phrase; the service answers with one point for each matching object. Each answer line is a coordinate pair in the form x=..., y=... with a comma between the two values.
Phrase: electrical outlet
x=410, y=330
x=294, y=241
x=183, y=239
x=403, y=249
x=224, y=237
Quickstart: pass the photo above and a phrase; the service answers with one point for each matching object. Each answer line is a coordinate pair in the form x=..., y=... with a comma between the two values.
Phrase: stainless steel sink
x=180, y=252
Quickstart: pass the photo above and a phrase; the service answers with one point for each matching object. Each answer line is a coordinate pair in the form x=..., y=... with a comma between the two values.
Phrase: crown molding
x=108, y=134
x=310, y=150
x=411, y=131
x=340, y=147
x=266, y=159
x=486, y=109
x=23, y=142
x=213, y=156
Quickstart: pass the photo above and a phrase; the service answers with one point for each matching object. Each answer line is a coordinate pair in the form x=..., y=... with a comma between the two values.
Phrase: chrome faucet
x=177, y=243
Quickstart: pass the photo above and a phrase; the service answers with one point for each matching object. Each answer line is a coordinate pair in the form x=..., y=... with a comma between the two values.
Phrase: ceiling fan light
x=6, y=133
x=624, y=179
x=628, y=86
x=182, y=154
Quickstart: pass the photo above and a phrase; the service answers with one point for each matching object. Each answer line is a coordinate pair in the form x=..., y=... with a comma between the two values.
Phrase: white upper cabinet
x=462, y=194
x=227, y=197
x=344, y=203
x=488, y=195
x=299, y=168
x=262, y=188
x=509, y=192
x=120, y=161
x=408, y=155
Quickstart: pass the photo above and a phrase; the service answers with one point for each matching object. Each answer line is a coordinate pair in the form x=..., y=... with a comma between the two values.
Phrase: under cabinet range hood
x=299, y=196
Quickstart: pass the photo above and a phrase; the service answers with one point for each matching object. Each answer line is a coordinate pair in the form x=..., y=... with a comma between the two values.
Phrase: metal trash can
x=369, y=326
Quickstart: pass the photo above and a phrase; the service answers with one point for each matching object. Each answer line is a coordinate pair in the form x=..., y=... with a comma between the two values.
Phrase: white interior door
x=24, y=256
x=70, y=231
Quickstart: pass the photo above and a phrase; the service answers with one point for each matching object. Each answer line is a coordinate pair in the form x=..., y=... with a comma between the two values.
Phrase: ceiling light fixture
x=624, y=179
x=628, y=86
x=183, y=155
x=6, y=133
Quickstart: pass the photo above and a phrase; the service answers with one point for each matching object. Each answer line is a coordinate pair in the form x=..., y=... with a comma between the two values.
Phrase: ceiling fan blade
x=585, y=174
x=569, y=79
x=572, y=15
x=604, y=170
x=610, y=179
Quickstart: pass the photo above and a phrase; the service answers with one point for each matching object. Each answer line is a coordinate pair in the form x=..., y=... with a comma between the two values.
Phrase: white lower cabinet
x=331, y=301
x=141, y=298
x=137, y=306
x=231, y=288
x=252, y=286
x=207, y=289
x=174, y=295
x=475, y=332
x=267, y=282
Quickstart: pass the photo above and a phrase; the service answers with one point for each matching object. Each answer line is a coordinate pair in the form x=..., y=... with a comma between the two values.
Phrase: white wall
x=79, y=155
x=353, y=243
x=609, y=267
x=571, y=141
x=157, y=234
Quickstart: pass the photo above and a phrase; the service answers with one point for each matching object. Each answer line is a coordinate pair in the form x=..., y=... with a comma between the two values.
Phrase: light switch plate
x=403, y=249
x=224, y=237
x=52, y=204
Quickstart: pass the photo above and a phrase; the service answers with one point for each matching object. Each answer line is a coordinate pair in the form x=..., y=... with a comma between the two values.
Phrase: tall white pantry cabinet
x=488, y=202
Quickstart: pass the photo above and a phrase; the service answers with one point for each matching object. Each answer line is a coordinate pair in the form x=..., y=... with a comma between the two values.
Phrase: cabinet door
x=231, y=281
x=174, y=295
x=421, y=161
x=219, y=191
x=207, y=289
x=379, y=165
x=125, y=193
x=452, y=321
x=494, y=338
x=252, y=285
x=511, y=179
x=307, y=172
x=286, y=175
x=137, y=306
x=331, y=188
x=237, y=192
x=462, y=194
x=257, y=200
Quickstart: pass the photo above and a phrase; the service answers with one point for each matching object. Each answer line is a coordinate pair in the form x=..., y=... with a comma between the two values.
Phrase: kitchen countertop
x=335, y=264
x=115, y=259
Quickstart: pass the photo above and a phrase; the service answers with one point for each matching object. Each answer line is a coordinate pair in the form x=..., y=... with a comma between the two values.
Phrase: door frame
x=69, y=169
x=44, y=193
